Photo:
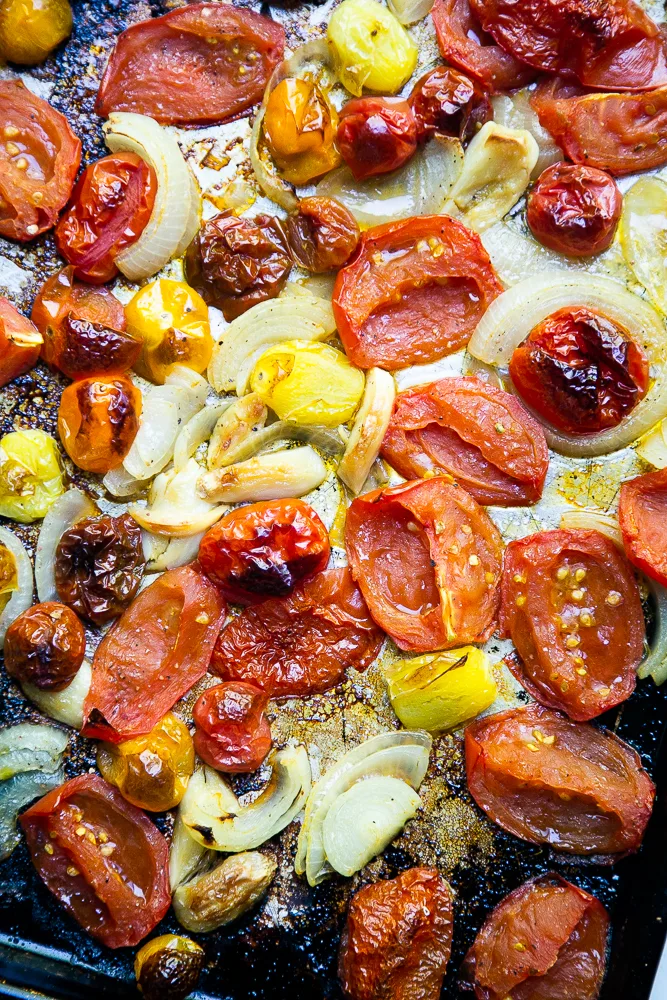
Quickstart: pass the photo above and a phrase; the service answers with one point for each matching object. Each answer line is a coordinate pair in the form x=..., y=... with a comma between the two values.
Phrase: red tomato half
x=642, y=514
x=62, y=295
x=414, y=292
x=477, y=433
x=232, y=733
x=200, y=64
x=102, y=858
x=428, y=561
x=551, y=781
x=572, y=608
x=39, y=160
x=153, y=655
x=20, y=342
x=547, y=940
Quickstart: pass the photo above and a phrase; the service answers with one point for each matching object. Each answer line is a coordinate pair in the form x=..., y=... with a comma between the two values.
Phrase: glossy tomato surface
x=642, y=515
x=446, y=102
x=61, y=296
x=232, y=733
x=81, y=349
x=376, y=135
x=574, y=209
x=20, y=342
x=98, y=419
x=45, y=646
x=299, y=128
x=322, y=235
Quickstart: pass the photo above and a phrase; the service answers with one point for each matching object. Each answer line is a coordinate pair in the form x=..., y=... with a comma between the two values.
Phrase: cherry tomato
x=301, y=644
x=580, y=371
x=101, y=858
x=110, y=208
x=62, y=295
x=322, y=235
x=642, y=515
x=45, y=646
x=376, y=135
x=445, y=102
x=39, y=160
x=232, y=733
x=98, y=420
x=574, y=209
x=551, y=781
x=198, y=65
x=428, y=560
x=413, y=293
x=299, y=127
x=473, y=431
x=81, y=349
x=569, y=598
x=264, y=550
x=398, y=938
x=20, y=343
x=31, y=29
x=548, y=938
x=153, y=655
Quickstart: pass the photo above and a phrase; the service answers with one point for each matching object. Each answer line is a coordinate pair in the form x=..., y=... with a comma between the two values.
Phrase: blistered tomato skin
x=98, y=420
x=20, y=343
x=62, y=295
x=31, y=29
x=446, y=102
x=81, y=349
x=322, y=235
x=232, y=733
x=376, y=135
x=574, y=209
x=300, y=130
x=168, y=968
x=45, y=646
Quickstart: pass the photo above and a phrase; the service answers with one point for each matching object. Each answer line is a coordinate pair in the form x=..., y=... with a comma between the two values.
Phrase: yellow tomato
x=31, y=29
x=9, y=577
x=171, y=320
x=30, y=475
x=643, y=232
x=300, y=127
x=371, y=47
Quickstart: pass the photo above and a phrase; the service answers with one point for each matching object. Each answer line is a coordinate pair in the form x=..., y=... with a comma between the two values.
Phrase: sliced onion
x=163, y=553
x=166, y=408
x=187, y=858
x=21, y=598
x=119, y=483
x=410, y=11
x=67, y=511
x=256, y=439
x=275, y=476
x=655, y=664
x=197, y=430
x=516, y=111
x=370, y=425
x=653, y=446
x=30, y=747
x=236, y=431
x=593, y=520
x=67, y=705
x=174, y=506
x=17, y=793
x=196, y=385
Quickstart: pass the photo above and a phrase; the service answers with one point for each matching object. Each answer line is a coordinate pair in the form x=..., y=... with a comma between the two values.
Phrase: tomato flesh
x=20, y=343
x=232, y=733
x=642, y=515
x=574, y=209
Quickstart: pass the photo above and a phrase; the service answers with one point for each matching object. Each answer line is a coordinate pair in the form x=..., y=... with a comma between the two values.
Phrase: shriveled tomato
x=20, y=342
x=477, y=433
x=81, y=349
x=376, y=135
x=301, y=644
x=232, y=733
x=642, y=515
x=197, y=65
x=574, y=209
x=322, y=235
x=547, y=939
x=45, y=646
x=154, y=654
x=571, y=606
x=39, y=160
x=62, y=295
x=447, y=102
x=552, y=781
x=414, y=292
x=110, y=208
x=98, y=419
x=299, y=128
x=428, y=561
x=101, y=858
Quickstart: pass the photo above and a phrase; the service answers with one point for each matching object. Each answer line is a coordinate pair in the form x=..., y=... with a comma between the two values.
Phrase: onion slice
x=368, y=430
x=655, y=664
x=653, y=446
x=174, y=507
x=15, y=794
x=593, y=520
x=30, y=747
x=410, y=11
x=163, y=553
x=120, y=484
x=197, y=430
x=67, y=511
x=277, y=475
x=21, y=598
x=67, y=705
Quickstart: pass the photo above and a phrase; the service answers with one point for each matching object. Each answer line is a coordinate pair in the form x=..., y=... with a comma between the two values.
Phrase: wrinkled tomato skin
x=446, y=102
x=80, y=349
x=62, y=295
x=376, y=135
x=398, y=938
x=564, y=933
x=98, y=420
x=574, y=209
x=469, y=429
x=414, y=292
x=264, y=550
x=428, y=561
x=580, y=371
x=232, y=733
x=45, y=646
x=20, y=343
x=642, y=515
x=322, y=235
x=299, y=128
x=568, y=785
x=113, y=879
x=571, y=606
x=302, y=644
x=198, y=65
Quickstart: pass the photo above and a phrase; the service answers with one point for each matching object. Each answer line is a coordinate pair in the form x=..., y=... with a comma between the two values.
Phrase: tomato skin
x=574, y=209
x=20, y=343
x=98, y=419
x=299, y=127
x=62, y=295
x=446, y=102
x=582, y=792
x=642, y=515
x=322, y=235
x=376, y=135
x=115, y=885
x=80, y=349
x=478, y=434
x=45, y=646
x=414, y=292
x=232, y=733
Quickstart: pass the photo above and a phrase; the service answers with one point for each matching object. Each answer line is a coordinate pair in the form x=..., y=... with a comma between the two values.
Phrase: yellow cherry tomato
x=171, y=319
x=371, y=47
x=300, y=127
x=31, y=29
x=9, y=577
x=31, y=478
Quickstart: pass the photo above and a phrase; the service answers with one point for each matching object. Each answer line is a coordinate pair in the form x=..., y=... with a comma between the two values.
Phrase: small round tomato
x=45, y=646
x=168, y=967
x=232, y=733
x=322, y=235
x=98, y=420
x=31, y=29
x=264, y=550
x=574, y=209
x=31, y=477
x=300, y=128
x=371, y=48
x=81, y=349
x=642, y=515
x=109, y=209
x=62, y=295
x=446, y=102
x=20, y=343
x=376, y=135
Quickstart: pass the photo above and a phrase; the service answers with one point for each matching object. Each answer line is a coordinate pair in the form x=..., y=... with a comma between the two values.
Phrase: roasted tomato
x=428, y=561
x=98, y=420
x=477, y=433
x=45, y=646
x=299, y=127
x=81, y=349
x=572, y=608
x=110, y=208
x=413, y=293
x=168, y=967
x=574, y=209
x=551, y=781
x=322, y=235
x=301, y=644
x=264, y=550
x=39, y=160
x=201, y=64
x=31, y=29
x=20, y=343
x=398, y=938
x=376, y=135
x=232, y=733
x=153, y=655
x=62, y=295
x=642, y=514
x=580, y=371
x=235, y=263
x=101, y=858
x=445, y=102
x=548, y=938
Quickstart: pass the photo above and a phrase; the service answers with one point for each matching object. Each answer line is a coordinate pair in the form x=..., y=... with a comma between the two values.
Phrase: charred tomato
x=232, y=733
x=446, y=102
x=45, y=646
x=376, y=135
x=20, y=343
x=322, y=235
x=81, y=349
x=574, y=209
x=642, y=515
x=98, y=420
x=62, y=295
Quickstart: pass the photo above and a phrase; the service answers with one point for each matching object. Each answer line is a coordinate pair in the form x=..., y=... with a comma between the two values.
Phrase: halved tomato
x=480, y=435
x=62, y=295
x=428, y=560
x=414, y=292
x=642, y=515
x=20, y=342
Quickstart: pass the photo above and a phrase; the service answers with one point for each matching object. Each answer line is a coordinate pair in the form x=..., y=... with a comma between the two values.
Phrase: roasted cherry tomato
x=101, y=858
x=98, y=420
x=39, y=160
x=322, y=235
x=300, y=129
x=548, y=938
x=168, y=967
x=642, y=515
x=45, y=646
x=62, y=295
x=9, y=578
x=413, y=293
x=580, y=371
x=81, y=349
x=235, y=263
x=153, y=655
x=376, y=135
x=301, y=644
x=31, y=29
x=110, y=208
x=20, y=343
x=574, y=209
x=572, y=608
x=398, y=938
x=370, y=47
x=475, y=432
x=31, y=478
x=232, y=733
x=445, y=102
x=264, y=550
x=201, y=64
x=551, y=781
